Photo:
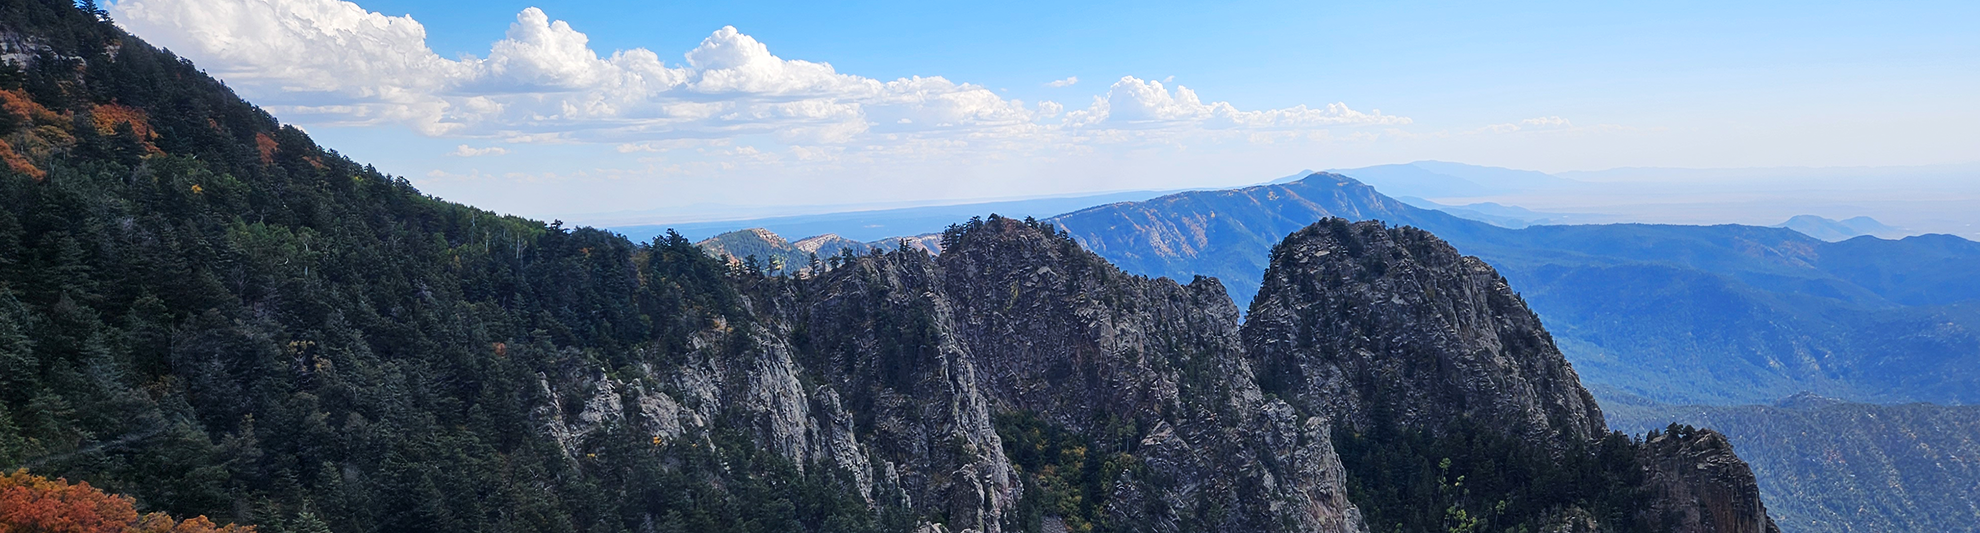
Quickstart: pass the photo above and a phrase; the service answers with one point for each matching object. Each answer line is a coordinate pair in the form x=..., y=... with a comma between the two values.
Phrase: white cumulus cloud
x=332, y=62
x=1531, y=124
x=1136, y=103
x=1546, y=122
x=469, y=151
x=1068, y=82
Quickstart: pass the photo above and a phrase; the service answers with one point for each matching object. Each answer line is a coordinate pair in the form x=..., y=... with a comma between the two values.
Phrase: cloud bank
x=332, y=62
x=469, y=151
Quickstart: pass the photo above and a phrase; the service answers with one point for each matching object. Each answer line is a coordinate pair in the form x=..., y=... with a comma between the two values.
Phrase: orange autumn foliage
x=35, y=504
x=266, y=145
x=24, y=109
x=16, y=162
x=108, y=116
x=17, y=102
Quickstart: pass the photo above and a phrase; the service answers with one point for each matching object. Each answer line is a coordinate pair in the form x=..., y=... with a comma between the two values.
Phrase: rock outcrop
x=896, y=367
x=1391, y=331
x=1830, y=467
x=901, y=368
x=1698, y=484
x=1060, y=332
x=1364, y=322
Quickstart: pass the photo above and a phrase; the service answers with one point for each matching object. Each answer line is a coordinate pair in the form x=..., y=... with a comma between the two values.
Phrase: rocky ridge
x=1388, y=330
x=1363, y=321
x=775, y=253
x=901, y=368
x=907, y=359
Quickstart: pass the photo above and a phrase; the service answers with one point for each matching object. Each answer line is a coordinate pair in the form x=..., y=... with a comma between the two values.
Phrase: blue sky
x=1550, y=86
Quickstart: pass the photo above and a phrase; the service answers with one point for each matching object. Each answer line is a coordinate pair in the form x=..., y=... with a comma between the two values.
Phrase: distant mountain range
x=1675, y=314
x=1679, y=314
x=880, y=224
x=1839, y=230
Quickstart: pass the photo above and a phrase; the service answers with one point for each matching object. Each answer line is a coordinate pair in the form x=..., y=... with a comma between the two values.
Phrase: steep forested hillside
x=202, y=309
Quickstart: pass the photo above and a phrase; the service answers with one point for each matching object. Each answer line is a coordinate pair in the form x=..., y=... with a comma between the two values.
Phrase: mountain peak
x=1179, y=234
x=1377, y=323
x=1296, y=176
x=1838, y=230
x=1007, y=238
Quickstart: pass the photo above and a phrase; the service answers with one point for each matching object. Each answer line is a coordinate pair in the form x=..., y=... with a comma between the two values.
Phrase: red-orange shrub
x=35, y=504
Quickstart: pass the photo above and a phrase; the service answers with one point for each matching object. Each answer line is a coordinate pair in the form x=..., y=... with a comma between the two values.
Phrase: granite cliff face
x=1699, y=484
x=913, y=374
x=1362, y=321
x=902, y=369
x=1063, y=334
x=1422, y=355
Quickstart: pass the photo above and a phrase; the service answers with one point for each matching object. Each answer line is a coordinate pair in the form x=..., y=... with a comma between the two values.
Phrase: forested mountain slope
x=204, y=310
x=1680, y=314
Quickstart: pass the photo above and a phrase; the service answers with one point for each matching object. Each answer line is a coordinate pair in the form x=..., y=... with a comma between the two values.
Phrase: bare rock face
x=1059, y=332
x=904, y=370
x=896, y=368
x=881, y=331
x=1363, y=322
x=1391, y=329
x=1699, y=484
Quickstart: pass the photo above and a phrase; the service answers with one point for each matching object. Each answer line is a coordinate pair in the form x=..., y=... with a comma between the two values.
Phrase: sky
x=617, y=112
